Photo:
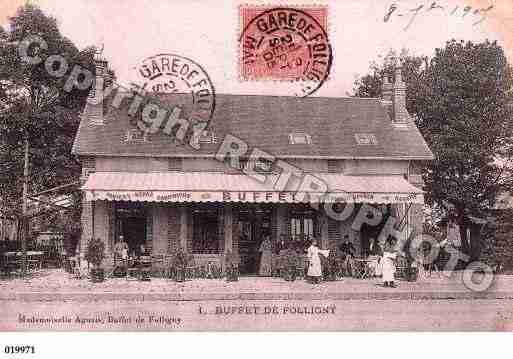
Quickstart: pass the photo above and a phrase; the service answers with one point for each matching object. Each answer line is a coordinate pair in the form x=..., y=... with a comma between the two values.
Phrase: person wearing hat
x=121, y=253
x=265, y=250
x=348, y=252
x=453, y=239
x=121, y=248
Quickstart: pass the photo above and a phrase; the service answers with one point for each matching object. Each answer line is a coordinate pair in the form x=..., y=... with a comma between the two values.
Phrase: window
x=299, y=138
x=207, y=234
x=303, y=224
x=333, y=166
x=136, y=135
x=208, y=136
x=365, y=139
x=174, y=164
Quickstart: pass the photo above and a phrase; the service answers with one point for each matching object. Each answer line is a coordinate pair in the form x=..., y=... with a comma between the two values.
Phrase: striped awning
x=222, y=187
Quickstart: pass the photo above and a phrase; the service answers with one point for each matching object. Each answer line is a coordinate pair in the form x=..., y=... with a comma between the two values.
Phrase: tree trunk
x=476, y=243
x=463, y=223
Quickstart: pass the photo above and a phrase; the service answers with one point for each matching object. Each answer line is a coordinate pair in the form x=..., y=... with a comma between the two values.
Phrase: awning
x=222, y=187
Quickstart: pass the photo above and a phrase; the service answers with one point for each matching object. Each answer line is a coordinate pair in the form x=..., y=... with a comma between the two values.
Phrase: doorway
x=131, y=220
x=254, y=222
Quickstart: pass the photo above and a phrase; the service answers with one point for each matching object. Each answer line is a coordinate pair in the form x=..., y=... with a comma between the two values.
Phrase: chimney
x=95, y=100
x=386, y=89
x=386, y=94
x=399, y=98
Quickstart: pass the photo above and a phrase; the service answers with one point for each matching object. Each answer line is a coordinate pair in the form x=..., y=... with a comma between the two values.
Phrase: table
x=14, y=261
x=361, y=269
x=139, y=268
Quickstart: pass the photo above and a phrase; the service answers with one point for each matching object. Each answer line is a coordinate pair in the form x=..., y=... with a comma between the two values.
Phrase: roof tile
x=266, y=122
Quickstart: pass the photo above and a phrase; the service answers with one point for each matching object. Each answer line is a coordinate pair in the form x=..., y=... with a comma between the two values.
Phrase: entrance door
x=253, y=223
x=131, y=224
x=134, y=232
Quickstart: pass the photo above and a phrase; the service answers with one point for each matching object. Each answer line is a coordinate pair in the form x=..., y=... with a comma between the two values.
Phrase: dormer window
x=208, y=136
x=136, y=135
x=300, y=138
x=365, y=139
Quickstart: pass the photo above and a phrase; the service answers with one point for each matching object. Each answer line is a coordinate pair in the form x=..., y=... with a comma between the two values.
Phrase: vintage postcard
x=256, y=166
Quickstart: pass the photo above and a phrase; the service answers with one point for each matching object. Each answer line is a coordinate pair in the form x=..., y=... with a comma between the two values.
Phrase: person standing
x=388, y=265
x=348, y=251
x=314, y=262
x=453, y=239
x=452, y=243
x=375, y=255
x=265, y=257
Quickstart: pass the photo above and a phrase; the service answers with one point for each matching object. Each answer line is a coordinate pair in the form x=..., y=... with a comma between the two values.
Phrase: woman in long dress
x=314, y=262
x=265, y=249
x=388, y=266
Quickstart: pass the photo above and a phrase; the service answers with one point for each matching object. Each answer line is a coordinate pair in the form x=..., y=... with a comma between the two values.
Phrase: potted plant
x=180, y=262
x=332, y=267
x=231, y=267
x=95, y=255
x=412, y=271
x=291, y=261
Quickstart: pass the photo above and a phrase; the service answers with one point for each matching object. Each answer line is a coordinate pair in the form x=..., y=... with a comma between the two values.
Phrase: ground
x=425, y=315
x=53, y=300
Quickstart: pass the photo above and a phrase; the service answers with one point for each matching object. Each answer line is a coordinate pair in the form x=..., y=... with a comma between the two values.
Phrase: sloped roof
x=266, y=122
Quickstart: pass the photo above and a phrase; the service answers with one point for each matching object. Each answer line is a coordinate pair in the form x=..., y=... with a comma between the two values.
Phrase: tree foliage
x=461, y=102
x=34, y=105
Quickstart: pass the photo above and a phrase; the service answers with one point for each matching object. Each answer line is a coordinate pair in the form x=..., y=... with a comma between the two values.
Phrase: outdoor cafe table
x=34, y=259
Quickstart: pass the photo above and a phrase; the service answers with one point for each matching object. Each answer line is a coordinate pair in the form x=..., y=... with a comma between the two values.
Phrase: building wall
x=131, y=164
x=88, y=166
x=173, y=228
x=153, y=164
x=160, y=222
x=375, y=167
x=102, y=229
x=171, y=225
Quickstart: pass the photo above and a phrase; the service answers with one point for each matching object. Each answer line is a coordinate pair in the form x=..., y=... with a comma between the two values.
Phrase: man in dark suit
x=348, y=251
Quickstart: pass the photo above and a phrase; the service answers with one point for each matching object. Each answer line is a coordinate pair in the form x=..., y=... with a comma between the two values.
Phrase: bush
x=332, y=266
x=95, y=252
x=231, y=267
x=291, y=262
x=95, y=255
x=180, y=261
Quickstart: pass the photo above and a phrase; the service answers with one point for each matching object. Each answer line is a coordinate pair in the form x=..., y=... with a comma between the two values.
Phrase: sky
x=207, y=32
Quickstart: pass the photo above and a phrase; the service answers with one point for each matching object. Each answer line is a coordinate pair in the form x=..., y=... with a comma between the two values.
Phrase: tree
x=34, y=107
x=460, y=102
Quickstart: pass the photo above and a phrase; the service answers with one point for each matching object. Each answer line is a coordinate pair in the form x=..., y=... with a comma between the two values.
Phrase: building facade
x=155, y=191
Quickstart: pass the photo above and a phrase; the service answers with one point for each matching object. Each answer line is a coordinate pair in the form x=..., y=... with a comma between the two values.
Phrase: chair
x=401, y=268
x=132, y=270
x=360, y=270
x=34, y=261
x=158, y=264
x=373, y=266
x=80, y=268
x=10, y=264
x=190, y=269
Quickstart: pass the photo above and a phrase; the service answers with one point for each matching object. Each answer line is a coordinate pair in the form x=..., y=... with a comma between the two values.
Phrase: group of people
x=384, y=259
x=122, y=254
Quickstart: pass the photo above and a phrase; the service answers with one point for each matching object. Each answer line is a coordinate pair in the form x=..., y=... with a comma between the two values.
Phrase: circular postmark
x=286, y=44
x=181, y=82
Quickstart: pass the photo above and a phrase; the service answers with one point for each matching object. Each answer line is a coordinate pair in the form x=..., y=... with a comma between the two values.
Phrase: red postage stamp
x=285, y=44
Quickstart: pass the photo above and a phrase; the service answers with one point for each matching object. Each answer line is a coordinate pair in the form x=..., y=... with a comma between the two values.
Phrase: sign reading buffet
x=250, y=196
